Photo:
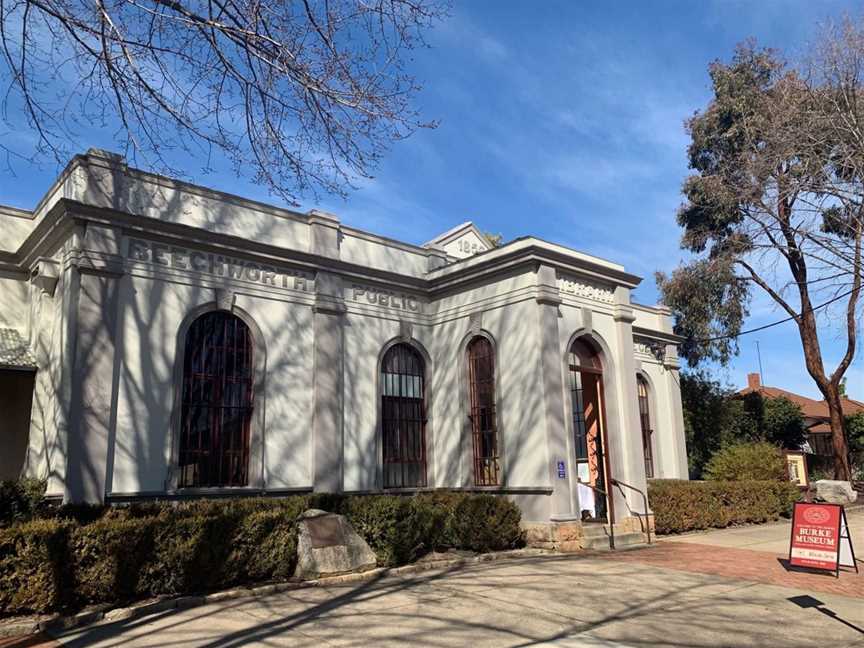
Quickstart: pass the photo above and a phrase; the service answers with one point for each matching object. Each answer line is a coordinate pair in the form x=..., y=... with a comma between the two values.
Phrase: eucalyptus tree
x=301, y=96
x=775, y=204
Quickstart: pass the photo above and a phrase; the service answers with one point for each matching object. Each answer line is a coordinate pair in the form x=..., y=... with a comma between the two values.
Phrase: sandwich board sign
x=820, y=537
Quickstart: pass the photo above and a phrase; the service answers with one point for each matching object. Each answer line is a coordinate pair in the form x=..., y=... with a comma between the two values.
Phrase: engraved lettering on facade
x=386, y=298
x=653, y=348
x=586, y=290
x=215, y=264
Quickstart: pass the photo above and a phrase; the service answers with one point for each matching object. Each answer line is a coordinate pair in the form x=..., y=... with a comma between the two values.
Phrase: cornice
x=498, y=260
x=220, y=243
x=653, y=334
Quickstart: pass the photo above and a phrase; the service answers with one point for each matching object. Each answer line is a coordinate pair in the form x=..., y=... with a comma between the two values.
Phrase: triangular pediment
x=462, y=241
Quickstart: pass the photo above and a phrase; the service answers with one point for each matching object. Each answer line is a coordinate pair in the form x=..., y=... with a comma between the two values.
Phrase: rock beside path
x=835, y=492
x=327, y=545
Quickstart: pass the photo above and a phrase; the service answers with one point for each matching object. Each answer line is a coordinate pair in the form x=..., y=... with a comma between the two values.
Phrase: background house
x=816, y=417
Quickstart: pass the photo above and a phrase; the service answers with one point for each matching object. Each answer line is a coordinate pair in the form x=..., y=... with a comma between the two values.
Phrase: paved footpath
x=679, y=593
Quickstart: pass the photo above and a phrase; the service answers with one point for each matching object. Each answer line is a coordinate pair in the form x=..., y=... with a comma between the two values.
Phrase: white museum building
x=164, y=340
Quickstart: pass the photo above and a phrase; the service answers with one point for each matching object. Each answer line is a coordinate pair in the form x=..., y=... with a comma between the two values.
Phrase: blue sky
x=563, y=120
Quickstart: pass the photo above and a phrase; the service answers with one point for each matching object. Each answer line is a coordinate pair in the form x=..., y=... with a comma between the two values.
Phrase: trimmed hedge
x=680, y=505
x=33, y=576
x=20, y=500
x=116, y=555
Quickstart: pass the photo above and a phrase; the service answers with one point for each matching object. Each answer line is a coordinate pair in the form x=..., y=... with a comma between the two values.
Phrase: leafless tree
x=300, y=95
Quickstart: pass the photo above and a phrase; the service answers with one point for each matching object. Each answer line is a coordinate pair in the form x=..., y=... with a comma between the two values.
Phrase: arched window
x=216, y=402
x=403, y=417
x=645, y=420
x=481, y=400
x=586, y=378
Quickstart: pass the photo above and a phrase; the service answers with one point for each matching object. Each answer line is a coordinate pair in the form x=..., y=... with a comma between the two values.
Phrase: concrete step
x=622, y=541
x=601, y=530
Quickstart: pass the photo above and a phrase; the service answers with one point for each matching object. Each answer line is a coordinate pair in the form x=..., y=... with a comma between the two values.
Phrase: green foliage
x=711, y=418
x=115, y=555
x=710, y=303
x=715, y=417
x=855, y=438
x=681, y=506
x=855, y=432
x=110, y=557
x=497, y=240
x=33, y=573
x=782, y=423
x=747, y=462
x=486, y=523
x=20, y=500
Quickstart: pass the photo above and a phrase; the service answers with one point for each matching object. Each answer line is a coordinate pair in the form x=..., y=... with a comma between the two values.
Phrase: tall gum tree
x=775, y=205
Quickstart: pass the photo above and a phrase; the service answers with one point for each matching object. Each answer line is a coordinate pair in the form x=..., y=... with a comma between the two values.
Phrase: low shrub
x=108, y=558
x=20, y=500
x=681, y=506
x=486, y=523
x=746, y=461
x=33, y=573
x=114, y=555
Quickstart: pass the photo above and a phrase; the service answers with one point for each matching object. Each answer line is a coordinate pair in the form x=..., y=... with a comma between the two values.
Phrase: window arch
x=403, y=417
x=481, y=401
x=217, y=402
x=645, y=421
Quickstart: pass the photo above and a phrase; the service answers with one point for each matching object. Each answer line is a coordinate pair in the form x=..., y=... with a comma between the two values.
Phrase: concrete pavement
x=572, y=601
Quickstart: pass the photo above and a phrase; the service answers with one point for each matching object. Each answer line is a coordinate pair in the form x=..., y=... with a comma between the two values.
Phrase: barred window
x=216, y=402
x=403, y=417
x=481, y=398
x=645, y=421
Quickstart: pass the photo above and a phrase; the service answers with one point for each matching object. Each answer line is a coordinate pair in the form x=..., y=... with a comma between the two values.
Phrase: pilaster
x=562, y=506
x=97, y=262
x=628, y=454
x=324, y=234
x=328, y=369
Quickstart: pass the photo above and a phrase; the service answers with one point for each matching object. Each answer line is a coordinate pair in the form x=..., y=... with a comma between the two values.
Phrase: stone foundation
x=635, y=524
x=567, y=537
x=558, y=536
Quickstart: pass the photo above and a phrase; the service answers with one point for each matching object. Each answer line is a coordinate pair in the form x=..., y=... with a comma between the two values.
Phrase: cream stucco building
x=179, y=341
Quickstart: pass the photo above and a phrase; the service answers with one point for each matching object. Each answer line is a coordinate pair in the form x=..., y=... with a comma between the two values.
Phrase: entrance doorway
x=586, y=394
x=16, y=397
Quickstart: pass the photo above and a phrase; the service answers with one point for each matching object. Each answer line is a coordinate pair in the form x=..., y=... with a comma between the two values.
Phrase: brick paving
x=32, y=641
x=746, y=564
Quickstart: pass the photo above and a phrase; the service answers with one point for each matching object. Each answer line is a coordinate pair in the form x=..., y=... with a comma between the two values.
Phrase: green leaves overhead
x=710, y=301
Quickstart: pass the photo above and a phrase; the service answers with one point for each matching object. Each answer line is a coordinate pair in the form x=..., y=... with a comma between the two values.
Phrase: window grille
x=403, y=417
x=216, y=402
x=481, y=394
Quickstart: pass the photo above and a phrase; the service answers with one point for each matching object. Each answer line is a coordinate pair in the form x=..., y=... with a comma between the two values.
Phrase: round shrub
x=746, y=461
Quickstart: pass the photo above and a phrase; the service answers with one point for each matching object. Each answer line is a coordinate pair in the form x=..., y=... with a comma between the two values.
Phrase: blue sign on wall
x=562, y=470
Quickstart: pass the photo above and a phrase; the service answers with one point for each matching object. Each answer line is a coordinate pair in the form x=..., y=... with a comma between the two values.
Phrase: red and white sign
x=815, y=535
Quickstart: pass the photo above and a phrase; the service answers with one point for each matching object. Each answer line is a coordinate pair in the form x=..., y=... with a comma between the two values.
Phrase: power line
x=778, y=322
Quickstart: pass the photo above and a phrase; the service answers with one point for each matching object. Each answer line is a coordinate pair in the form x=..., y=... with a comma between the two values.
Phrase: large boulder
x=328, y=546
x=835, y=492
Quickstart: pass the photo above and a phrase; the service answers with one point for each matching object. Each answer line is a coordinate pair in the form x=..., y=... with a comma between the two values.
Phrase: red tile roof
x=809, y=408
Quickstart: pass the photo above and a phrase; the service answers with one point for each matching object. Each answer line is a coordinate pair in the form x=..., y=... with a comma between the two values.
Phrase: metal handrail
x=611, y=521
x=619, y=484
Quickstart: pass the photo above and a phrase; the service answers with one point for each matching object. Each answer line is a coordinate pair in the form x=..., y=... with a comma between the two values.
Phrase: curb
x=104, y=612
